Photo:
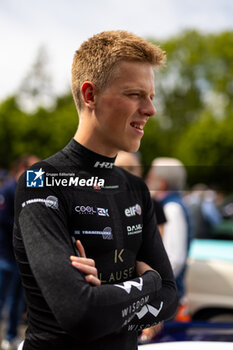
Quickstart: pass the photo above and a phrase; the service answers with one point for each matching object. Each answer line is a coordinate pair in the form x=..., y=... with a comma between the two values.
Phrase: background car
x=187, y=345
x=196, y=333
x=209, y=279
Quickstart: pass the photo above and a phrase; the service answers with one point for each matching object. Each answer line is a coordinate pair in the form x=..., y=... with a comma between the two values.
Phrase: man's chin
x=132, y=148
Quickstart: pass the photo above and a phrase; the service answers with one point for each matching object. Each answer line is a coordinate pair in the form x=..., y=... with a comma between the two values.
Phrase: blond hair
x=96, y=58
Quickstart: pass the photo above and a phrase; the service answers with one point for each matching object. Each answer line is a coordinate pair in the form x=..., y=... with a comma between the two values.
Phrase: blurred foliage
x=194, y=103
x=42, y=133
x=194, y=121
x=35, y=89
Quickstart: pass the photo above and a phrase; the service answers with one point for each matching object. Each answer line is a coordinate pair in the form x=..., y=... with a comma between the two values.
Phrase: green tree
x=36, y=89
x=196, y=86
x=207, y=150
x=13, y=127
x=41, y=133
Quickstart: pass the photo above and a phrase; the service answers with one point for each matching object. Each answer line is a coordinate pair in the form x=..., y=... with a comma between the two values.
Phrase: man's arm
x=87, y=266
x=163, y=304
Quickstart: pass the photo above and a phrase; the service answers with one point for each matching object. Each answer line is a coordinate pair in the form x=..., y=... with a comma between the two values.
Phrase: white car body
x=209, y=279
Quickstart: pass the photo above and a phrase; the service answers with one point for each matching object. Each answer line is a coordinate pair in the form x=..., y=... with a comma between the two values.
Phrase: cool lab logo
x=35, y=178
x=88, y=210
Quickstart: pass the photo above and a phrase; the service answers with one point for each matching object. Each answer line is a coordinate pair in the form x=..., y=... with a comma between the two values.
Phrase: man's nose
x=148, y=108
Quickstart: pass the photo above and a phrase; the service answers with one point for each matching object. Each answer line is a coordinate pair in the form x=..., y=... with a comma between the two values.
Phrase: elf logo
x=134, y=210
x=106, y=165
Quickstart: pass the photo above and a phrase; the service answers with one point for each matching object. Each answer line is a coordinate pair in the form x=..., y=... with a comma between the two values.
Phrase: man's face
x=124, y=107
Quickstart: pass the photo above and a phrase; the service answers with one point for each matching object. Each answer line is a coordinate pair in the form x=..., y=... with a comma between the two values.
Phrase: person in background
x=11, y=292
x=203, y=210
x=3, y=177
x=166, y=179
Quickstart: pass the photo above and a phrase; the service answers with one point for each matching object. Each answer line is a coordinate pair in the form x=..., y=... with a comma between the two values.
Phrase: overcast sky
x=61, y=26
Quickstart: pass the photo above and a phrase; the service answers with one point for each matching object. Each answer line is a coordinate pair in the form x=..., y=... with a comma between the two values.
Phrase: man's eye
x=134, y=94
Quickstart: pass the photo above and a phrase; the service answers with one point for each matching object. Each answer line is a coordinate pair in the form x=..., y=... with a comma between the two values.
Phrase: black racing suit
x=82, y=195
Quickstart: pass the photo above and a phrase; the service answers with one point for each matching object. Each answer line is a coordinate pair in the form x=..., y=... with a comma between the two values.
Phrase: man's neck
x=89, y=136
x=89, y=139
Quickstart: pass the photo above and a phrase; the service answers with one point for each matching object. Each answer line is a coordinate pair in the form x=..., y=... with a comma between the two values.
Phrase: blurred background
x=194, y=99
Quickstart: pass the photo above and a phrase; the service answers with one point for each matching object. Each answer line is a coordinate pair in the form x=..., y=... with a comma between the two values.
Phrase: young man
x=126, y=283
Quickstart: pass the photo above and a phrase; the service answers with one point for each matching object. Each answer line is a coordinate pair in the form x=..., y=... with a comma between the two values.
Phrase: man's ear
x=88, y=92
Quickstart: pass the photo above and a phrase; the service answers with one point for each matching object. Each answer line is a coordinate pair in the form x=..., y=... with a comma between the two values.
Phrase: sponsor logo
x=140, y=309
x=50, y=202
x=116, y=276
x=149, y=309
x=106, y=233
x=102, y=212
x=129, y=284
x=134, y=229
x=35, y=178
x=118, y=256
x=81, y=209
x=105, y=165
x=134, y=210
x=93, y=181
x=135, y=307
x=88, y=210
x=111, y=187
x=138, y=328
